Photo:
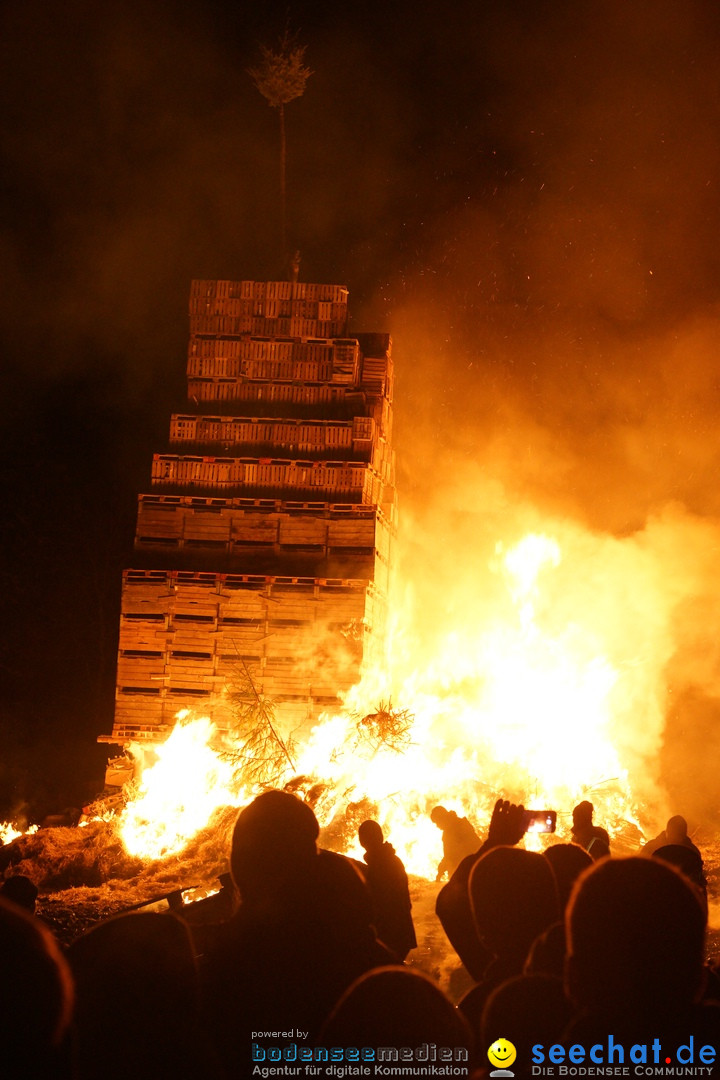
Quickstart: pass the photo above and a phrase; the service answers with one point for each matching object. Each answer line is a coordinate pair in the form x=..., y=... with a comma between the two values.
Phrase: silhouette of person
x=36, y=999
x=547, y=953
x=514, y=898
x=593, y=838
x=635, y=938
x=452, y=906
x=21, y=890
x=302, y=933
x=395, y=1006
x=388, y=884
x=528, y=1009
x=675, y=833
x=674, y=846
x=137, y=973
x=459, y=839
x=567, y=861
x=688, y=861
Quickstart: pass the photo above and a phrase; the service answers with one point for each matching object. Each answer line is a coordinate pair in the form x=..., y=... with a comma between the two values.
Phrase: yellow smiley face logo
x=502, y=1053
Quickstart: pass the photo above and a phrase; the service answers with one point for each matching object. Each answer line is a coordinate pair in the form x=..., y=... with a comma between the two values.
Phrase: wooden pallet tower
x=263, y=546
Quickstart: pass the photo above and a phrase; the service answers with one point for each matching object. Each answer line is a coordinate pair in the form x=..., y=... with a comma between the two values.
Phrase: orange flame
x=525, y=700
x=8, y=832
x=178, y=792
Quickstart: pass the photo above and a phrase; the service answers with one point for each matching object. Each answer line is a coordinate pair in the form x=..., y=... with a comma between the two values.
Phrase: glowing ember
x=527, y=700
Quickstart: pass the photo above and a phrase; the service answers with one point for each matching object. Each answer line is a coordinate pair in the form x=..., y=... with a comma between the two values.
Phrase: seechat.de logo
x=501, y=1054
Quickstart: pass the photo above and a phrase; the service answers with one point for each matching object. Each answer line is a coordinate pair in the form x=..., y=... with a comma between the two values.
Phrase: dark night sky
x=525, y=192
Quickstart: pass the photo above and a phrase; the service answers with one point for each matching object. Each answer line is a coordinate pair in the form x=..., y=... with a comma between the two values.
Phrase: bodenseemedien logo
x=501, y=1054
x=343, y=1062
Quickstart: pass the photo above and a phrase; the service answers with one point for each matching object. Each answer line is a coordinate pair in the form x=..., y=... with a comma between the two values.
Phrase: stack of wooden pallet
x=270, y=517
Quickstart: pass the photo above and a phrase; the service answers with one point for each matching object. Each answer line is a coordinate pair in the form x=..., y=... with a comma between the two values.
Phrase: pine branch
x=261, y=755
x=387, y=727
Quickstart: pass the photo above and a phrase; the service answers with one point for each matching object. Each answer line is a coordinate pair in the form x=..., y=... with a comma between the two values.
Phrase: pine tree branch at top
x=281, y=77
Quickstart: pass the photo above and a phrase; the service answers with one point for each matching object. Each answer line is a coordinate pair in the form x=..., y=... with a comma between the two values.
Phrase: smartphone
x=540, y=820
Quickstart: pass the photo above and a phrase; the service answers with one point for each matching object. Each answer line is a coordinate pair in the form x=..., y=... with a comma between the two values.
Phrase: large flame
x=178, y=791
x=512, y=709
x=523, y=697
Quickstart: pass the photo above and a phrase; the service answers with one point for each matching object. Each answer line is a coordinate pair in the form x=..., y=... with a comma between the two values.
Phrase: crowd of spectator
x=570, y=949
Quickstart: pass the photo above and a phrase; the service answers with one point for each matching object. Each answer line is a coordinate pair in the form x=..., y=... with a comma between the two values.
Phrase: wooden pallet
x=292, y=435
